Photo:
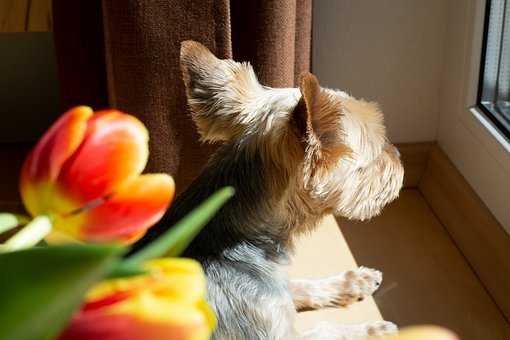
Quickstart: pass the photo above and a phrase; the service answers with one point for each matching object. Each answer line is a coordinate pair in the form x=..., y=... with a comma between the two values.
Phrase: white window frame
x=474, y=118
x=480, y=118
x=470, y=139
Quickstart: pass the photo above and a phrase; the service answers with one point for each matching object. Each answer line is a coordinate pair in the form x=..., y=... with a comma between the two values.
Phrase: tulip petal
x=186, y=279
x=178, y=279
x=171, y=275
x=127, y=214
x=147, y=307
x=127, y=327
x=44, y=163
x=58, y=143
x=114, y=151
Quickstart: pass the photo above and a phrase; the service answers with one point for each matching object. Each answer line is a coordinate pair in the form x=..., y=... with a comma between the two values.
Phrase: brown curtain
x=127, y=51
x=79, y=42
x=274, y=35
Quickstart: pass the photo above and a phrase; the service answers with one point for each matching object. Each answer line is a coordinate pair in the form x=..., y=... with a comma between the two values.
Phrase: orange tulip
x=84, y=174
x=167, y=304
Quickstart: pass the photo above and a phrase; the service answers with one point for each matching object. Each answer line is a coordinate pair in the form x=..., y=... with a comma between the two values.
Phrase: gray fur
x=249, y=295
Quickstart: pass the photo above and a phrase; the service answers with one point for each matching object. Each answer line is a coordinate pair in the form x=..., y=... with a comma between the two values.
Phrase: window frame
x=502, y=129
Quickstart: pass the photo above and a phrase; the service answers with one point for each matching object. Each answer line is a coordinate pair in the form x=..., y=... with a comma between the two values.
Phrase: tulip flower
x=166, y=304
x=84, y=175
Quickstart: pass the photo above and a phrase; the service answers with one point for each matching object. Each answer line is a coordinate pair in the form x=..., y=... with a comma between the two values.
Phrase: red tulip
x=85, y=174
x=167, y=304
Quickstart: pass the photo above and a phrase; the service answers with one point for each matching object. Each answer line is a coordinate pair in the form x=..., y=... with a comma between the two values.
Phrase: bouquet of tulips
x=64, y=275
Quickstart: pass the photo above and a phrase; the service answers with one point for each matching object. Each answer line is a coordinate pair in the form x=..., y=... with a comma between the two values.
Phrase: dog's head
x=332, y=147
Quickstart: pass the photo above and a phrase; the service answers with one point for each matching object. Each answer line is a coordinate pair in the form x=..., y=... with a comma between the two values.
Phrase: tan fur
x=322, y=114
x=218, y=92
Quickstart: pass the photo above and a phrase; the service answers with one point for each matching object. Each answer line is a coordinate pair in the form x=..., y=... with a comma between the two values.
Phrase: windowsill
x=490, y=139
x=482, y=155
x=491, y=128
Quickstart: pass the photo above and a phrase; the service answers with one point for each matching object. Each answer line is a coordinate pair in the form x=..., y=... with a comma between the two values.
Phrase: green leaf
x=176, y=239
x=41, y=287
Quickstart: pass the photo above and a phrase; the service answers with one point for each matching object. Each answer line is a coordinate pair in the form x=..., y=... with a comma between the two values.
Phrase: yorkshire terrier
x=293, y=155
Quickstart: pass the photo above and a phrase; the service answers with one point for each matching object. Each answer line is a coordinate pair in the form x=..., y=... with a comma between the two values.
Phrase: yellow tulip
x=166, y=304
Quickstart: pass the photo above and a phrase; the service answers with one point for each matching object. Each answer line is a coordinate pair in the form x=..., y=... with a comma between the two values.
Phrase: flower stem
x=30, y=235
x=9, y=221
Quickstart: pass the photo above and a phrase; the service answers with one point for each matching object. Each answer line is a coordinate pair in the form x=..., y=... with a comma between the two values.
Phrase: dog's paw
x=336, y=291
x=352, y=286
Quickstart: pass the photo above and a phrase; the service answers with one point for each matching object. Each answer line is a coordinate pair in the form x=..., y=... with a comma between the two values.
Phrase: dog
x=293, y=155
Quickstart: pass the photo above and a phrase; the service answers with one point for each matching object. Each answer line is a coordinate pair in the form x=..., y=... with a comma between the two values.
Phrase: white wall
x=389, y=51
x=420, y=60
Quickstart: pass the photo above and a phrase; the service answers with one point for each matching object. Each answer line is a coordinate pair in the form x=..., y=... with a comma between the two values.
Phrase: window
x=494, y=89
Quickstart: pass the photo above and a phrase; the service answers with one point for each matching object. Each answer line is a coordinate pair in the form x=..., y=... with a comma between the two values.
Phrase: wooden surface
x=25, y=16
x=482, y=240
x=414, y=157
x=426, y=278
x=325, y=253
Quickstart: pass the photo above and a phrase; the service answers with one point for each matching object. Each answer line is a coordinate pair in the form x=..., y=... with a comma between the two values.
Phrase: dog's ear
x=217, y=91
x=318, y=118
x=318, y=121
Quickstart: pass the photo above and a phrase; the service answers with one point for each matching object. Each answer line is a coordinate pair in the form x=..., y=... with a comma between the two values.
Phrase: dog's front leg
x=336, y=291
x=328, y=331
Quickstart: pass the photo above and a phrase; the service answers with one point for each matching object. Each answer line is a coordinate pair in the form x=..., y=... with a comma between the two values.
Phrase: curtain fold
x=79, y=43
x=142, y=42
x=139, y=45
x=275, y=36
